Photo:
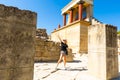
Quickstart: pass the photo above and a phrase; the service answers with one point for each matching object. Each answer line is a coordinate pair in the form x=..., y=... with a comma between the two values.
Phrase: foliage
x=118, y=32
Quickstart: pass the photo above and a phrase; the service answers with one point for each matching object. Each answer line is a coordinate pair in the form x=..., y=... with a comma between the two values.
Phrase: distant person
x=63, y=52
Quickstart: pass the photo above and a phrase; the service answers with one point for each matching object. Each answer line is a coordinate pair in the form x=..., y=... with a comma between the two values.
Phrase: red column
x=71, y=15
x=64, y=19
x=80, y=7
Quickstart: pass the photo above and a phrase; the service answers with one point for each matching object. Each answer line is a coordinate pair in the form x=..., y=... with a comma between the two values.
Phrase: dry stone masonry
x=17, y=39
x=41, y=33
x=102, y=51
x=47, y=50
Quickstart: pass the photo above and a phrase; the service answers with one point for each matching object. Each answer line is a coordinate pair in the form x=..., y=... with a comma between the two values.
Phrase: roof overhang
x=73, y=3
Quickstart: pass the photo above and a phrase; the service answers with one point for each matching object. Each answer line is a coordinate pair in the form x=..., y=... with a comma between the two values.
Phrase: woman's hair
x=64, y=40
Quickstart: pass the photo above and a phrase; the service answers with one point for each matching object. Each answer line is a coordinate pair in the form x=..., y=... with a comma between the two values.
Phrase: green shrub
x=118, y=32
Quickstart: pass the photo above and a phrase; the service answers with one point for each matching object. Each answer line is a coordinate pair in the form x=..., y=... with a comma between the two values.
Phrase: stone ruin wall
x=47, y=50
x=102, y=51
x=41, y=34
x=118, y=39
x=96, y=22
x=17, y=39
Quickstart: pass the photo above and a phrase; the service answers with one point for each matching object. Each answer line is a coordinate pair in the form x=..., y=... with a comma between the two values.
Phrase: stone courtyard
x=76, y=70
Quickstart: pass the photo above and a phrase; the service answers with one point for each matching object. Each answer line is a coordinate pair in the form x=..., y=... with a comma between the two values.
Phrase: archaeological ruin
x=22, y=44
x=17, y=43
x=75, y=27
x=85, y=34
x=102, y=51
x=47, y=50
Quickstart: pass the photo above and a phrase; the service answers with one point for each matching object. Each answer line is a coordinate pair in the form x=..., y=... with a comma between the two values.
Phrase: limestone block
x=17, y=43
x=4, y=74
x=46, y=50
x=68, y=32
x=102, y=51
x=37, y=59
x=70, y=55
x=112, y=62
x=38, y=53
x=21, y=74
x=97, y=64
x=6, y=58
x=52, y=58
x=41, y=34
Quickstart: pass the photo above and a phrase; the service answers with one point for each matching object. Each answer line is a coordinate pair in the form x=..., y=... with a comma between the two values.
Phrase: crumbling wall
x=41, y=34
x=17, y=43
x=48, y=50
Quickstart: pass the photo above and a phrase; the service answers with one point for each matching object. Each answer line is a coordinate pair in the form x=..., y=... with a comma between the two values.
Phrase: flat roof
x=73, y=3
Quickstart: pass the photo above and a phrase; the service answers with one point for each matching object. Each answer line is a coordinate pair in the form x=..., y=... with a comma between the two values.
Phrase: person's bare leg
x=64, y=60
x=60, y=60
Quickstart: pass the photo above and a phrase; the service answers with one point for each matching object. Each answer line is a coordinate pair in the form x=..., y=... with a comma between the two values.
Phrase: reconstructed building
x=86, y=34
x=77, y=16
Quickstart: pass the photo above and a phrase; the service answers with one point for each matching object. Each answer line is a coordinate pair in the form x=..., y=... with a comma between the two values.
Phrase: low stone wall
x=17, y=43
x=48, y=50
x=41, y=33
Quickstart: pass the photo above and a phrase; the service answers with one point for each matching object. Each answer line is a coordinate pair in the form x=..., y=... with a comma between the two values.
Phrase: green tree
x=118, y=32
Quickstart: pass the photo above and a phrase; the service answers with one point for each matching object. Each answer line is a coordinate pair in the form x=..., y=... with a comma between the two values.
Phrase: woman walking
x=63, y=52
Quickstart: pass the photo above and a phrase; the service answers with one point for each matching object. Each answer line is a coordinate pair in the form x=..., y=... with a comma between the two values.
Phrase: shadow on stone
x=77, y=69
x=117, y=78
x=77, y=61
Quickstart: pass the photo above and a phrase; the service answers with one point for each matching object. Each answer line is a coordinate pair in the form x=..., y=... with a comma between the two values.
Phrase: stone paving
x=76, y=70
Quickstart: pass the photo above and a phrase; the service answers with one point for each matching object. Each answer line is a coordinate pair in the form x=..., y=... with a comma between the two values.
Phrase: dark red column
x=80, y=7
x=64, y=19
x=71, y=15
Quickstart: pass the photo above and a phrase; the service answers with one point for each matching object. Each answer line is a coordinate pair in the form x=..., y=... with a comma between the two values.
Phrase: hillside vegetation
x=118, y=32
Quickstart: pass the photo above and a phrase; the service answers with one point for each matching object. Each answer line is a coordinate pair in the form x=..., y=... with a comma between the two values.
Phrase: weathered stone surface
x=102, y=51
x=41, y=33
x=21, y=74
x=48, y=50
x=17, y=43
x=4, y=74
x=70, y=55
x=76, y=35
x=118, y=40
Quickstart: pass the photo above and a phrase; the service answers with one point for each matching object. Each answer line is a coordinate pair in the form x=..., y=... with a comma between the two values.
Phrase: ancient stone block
x=21, y=74
x=4, y=74
x=17, y=42
x=41, y=33
x=102, y=51
x=46, y=50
